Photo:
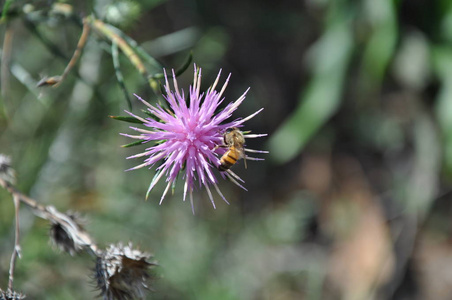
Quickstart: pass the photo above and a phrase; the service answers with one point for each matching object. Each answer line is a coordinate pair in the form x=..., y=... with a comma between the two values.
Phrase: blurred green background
x=353, y=201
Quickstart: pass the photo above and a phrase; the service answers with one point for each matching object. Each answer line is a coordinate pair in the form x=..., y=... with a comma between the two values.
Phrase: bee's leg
x=219, y=146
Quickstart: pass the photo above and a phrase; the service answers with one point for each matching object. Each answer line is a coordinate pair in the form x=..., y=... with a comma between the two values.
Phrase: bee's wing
x=241, y=150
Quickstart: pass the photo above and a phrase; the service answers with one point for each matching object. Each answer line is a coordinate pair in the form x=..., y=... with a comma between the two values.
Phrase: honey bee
x=234, y=140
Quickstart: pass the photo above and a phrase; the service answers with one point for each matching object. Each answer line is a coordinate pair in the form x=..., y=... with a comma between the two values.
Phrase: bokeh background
x=353, y=201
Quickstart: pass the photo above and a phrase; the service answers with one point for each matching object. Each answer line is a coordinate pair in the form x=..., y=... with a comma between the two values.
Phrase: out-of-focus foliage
x=354, y=201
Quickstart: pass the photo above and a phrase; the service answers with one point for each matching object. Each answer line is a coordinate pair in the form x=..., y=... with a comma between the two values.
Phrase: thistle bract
x=188, y=136
x=123, y=272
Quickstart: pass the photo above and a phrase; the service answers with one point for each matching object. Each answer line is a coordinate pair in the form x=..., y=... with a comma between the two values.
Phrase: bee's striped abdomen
x=229, y=159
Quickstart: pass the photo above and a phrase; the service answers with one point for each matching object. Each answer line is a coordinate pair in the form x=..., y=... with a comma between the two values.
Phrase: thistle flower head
x=122, y=272
x=188, y=136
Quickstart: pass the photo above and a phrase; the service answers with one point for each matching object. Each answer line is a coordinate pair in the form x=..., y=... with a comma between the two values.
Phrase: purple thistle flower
x=189, y=138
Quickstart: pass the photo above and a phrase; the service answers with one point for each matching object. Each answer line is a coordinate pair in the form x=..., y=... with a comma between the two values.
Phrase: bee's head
x=230, y=129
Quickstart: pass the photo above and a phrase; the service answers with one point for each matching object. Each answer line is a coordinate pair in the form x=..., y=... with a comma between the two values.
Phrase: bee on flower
x=191, y=137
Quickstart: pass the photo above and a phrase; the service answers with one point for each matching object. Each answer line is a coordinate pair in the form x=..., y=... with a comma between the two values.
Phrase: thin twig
x=107, y=31
x=17, y=250
x=78, y=235
x=80, y=45
x=5, y=62
x=119, y=77
x=56, y=80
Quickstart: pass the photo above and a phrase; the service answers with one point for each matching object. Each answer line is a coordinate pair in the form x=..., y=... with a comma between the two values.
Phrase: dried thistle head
x=10, y=295
x=7, y=173
x=123, y=272
x=60, y=236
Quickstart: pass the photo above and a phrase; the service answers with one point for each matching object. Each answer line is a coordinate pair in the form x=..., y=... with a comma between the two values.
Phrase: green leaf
x=179, y=71
x=185, y=66
x=140, y=142
x=118, y=73
x=5, y=9
x=379, y=50
x=137, y=48
x=330, y=57
x=126, y=119
x=150, y=115
x=442, y=61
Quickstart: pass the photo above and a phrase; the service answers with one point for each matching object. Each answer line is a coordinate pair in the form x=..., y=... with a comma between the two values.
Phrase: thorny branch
x=121, y=272
x=50, y=213
x=17, y=250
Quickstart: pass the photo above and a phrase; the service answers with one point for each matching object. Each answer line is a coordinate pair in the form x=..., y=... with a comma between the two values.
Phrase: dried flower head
x=7, y=173
x=61, y=238
x=11, y=295
x=123, y=272
x=189, y=136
